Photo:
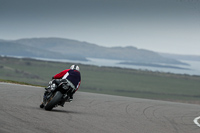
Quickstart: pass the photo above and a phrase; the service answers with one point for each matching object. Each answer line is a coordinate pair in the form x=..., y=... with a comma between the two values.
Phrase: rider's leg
x=71, y=95
x=67, y=98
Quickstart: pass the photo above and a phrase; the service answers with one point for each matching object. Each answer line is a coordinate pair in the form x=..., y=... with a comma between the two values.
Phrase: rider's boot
x=70, y=98
x=42, y=105
x=62, y=102
x=71, y=95
x=66, y=99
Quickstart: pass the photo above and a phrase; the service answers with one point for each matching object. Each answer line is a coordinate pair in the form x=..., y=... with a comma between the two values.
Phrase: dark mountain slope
x=75, y=48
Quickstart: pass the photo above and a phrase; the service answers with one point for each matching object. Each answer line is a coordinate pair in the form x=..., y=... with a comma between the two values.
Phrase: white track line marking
x=196, y=121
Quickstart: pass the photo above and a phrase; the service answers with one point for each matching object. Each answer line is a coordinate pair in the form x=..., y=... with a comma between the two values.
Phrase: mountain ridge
x=76, y=50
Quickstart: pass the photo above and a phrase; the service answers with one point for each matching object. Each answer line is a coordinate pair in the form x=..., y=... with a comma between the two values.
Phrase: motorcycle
x=56, y=94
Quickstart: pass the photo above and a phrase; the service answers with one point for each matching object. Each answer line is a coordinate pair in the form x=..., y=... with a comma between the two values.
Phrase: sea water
x=192, y=69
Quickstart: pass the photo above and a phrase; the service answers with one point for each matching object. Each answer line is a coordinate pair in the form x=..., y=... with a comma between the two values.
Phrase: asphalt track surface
x=92, y=113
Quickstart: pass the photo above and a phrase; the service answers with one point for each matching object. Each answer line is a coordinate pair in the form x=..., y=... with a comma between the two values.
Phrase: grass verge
x=106, y=80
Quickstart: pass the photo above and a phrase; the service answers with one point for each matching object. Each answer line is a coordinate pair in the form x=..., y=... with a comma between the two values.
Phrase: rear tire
x=54, y=101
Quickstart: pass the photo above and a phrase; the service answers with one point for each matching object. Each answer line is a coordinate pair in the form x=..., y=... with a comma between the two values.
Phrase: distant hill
x=75, y=50
x=15, y=48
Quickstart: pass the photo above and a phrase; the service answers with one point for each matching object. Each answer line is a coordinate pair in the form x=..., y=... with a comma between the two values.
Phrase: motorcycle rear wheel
x=54, y=100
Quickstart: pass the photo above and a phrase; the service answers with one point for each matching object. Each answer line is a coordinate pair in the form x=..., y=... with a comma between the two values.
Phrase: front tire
x=54, y=100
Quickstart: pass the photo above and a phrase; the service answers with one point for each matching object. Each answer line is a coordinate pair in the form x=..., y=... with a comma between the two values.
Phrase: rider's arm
x=61, y=74
x=78, y=85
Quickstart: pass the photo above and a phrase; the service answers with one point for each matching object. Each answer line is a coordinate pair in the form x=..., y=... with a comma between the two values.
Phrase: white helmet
x=74, y=67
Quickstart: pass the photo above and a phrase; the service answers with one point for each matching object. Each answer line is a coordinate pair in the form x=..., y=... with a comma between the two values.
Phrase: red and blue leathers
x=72, y=75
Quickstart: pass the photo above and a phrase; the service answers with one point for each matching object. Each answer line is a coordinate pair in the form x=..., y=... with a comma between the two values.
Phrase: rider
x=73, y=76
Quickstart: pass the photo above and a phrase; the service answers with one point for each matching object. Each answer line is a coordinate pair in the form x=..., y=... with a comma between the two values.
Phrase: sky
x=168, y=26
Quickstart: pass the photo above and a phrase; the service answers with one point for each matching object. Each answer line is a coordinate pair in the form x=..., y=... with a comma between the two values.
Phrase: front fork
x=47, y=97
x=49, y=91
